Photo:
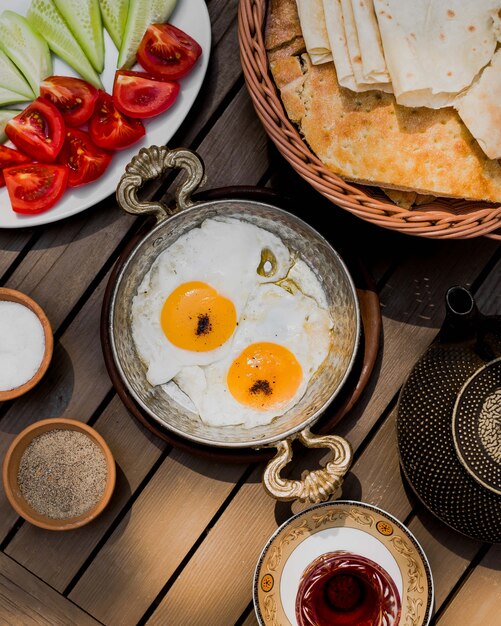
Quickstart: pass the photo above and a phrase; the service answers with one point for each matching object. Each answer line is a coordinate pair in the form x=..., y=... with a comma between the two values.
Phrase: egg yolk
x=265, y=375
x=196, y=317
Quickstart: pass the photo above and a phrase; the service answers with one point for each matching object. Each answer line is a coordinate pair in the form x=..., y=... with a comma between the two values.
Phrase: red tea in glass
x=344, y=589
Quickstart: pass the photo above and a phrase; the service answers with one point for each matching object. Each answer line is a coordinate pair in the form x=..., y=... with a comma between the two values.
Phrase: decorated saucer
x=355, y=527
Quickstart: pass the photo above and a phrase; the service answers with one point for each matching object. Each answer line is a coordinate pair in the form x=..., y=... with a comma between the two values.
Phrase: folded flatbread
x=350, y=29
x=373, y=62
x=480, y=109
x=312, y=18
x=337, y=32
x=337, y=38
x=434, y=49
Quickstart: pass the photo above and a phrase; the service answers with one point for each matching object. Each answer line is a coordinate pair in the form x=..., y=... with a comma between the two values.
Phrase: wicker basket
x=443, y=218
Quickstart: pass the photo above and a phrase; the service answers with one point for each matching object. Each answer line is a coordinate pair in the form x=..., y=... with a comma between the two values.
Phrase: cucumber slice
x=12, y=80
x=5, y=117
x=114, y=13
x=9, y=97
x=44, y=16
x=141, y=14
x=26, y=48
x=84, y=19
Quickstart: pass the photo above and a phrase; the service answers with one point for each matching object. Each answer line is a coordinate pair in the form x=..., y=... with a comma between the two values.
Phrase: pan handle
x=318, y=485
x=151, y=163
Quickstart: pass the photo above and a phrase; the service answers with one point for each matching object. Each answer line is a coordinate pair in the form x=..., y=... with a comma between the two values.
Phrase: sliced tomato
x=9, y=158
x=36, y=187
x=38, y=130
x=110, y=129
x=74, y=97
x=167, y=51
x=86, y=162
x=143, y=95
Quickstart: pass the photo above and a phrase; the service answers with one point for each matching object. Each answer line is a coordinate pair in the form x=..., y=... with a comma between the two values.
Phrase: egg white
x=224, y=253
x=273, y=314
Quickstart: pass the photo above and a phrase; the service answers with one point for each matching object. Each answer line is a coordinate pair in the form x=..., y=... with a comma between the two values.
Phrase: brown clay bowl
x=11, y=467
x=11, y=295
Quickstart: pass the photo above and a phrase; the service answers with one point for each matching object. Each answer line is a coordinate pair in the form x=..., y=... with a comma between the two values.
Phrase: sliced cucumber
x=44, y=16
x=141, y=14
x=12, y=80
x=114, y=14
x=26, y=48
x=9, y=97
x=84, y=19
x=5, y=117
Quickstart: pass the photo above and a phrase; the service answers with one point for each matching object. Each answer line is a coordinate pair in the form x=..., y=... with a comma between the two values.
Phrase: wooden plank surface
x=222, y=568
x=251, y=620
x=448, y=552
x=27, y=601
x=143, y=552
x=12, y=243
x=478, y=601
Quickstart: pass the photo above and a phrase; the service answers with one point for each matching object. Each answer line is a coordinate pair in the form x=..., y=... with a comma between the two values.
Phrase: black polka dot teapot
x=449, y=421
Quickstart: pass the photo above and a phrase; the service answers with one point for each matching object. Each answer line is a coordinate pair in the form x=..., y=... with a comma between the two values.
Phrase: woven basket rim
x=358, y=199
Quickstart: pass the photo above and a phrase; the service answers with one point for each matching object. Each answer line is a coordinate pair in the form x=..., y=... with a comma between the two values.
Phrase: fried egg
x=189, y=303
x=282, y=339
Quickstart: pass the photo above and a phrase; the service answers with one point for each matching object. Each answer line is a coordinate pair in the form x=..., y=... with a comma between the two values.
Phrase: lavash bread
x=359, y=62
x=314, y=29
x=480, y=109
x=334, y=22
x=369, y=138
x=435, y=49
x=369, y=41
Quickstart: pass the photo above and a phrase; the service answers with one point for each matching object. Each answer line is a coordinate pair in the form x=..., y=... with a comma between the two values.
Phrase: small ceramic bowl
x=11, y=295
x=11, y=467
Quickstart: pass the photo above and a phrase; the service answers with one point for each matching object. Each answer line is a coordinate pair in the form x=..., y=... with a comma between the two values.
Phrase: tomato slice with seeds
x=36, y=187
x=138, y=94
x=110, y=129
x=74, y=97
x=9, y=158
x=38, y=130
x=86, y=162
x=167, y=52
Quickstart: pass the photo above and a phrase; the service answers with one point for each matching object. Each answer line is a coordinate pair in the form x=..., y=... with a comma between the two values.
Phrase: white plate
x=342, y=525
x=192, y=17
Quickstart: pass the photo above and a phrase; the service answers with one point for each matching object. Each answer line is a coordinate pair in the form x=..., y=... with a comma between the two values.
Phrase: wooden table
x=179, y=542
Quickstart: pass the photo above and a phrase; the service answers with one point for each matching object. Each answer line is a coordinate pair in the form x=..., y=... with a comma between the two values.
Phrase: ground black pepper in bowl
x=62, y=474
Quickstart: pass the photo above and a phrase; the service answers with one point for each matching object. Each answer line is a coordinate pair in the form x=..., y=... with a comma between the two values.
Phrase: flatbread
x=311, y=14
x=373, y=62
x=434, y=49
x=350, y=29
x=337, y=38
x=403, y=199
x=336, y=31
x=407, y=199
x=368, y=138
x=480, y=109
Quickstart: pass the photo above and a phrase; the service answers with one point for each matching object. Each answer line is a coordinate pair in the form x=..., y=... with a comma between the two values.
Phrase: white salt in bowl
x=12, y=462
x=11, y=295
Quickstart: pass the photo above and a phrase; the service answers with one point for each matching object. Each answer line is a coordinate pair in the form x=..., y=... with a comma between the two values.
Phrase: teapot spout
x=461, y=315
